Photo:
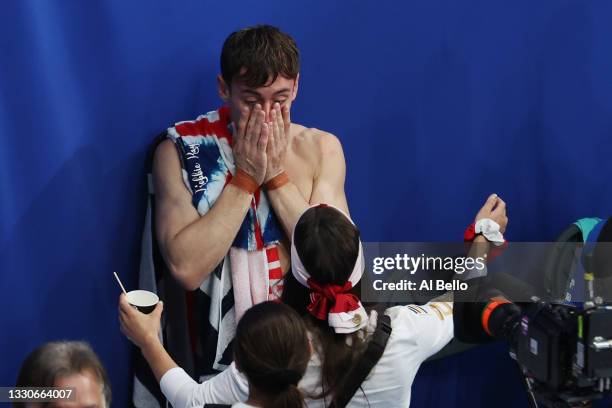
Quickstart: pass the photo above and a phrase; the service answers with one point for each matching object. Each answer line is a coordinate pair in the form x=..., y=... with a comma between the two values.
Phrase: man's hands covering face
x=251, y=139
x=278, y=140
x=260, y=147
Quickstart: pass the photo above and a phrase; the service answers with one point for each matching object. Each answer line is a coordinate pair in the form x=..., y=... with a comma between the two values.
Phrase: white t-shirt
x=418, y=332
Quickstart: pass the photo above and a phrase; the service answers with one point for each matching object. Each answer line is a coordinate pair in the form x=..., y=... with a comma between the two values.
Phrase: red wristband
x=470, y=234
x=277, y=181
x=244, y=181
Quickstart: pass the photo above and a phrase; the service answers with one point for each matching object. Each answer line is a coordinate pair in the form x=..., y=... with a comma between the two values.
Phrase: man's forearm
x=197, y=249
x=288, y=204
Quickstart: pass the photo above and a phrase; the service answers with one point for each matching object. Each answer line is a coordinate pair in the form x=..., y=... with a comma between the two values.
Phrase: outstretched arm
x=495, y=209
x=328, y=183
x=179, y=388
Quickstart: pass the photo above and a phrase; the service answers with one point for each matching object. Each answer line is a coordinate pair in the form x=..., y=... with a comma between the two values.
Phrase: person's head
x=272, y=349
x=68, y=364
x=328, y=246
x=259, y=65
x=327, y=243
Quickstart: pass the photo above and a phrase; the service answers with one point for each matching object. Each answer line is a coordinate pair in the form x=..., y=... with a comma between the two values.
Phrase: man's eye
x=280, y=102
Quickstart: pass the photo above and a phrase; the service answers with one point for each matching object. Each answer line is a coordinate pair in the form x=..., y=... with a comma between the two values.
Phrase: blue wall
x=437, y=103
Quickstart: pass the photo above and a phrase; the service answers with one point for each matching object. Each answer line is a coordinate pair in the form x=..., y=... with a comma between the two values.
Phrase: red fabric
x=272, y=254
x=470, y=234
x=331, y=298
x=258, y=233
x=275, y=274
x=203, y=126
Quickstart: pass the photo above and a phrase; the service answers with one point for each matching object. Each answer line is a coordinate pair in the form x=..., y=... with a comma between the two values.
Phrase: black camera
x=565, y=352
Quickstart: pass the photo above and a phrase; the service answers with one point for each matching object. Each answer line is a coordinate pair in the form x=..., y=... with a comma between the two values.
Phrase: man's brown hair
x=257, y=55
x=59, y=359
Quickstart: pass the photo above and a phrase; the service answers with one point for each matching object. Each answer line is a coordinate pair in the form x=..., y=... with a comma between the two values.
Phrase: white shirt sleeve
x=227, y=387
x=431, y=325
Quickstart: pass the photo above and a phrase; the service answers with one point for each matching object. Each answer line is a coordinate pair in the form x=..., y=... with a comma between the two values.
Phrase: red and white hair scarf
x=334, y=303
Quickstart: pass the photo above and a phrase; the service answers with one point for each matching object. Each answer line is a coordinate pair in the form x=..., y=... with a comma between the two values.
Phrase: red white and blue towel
x=206, y=150
x=251, y=270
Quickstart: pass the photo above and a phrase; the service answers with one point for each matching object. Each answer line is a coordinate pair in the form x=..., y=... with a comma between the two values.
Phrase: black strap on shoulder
x=372, y=354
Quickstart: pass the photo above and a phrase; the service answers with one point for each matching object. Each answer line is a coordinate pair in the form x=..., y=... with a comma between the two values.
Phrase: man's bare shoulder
x=314, y=141
x=165, y=154
x=166, y=167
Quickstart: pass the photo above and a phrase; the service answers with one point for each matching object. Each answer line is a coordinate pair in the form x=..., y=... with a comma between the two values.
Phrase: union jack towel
x=251, y=270
x=206, y=147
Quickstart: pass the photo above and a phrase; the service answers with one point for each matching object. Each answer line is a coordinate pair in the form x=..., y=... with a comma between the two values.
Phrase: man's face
x=87, y=390
x=237, y=96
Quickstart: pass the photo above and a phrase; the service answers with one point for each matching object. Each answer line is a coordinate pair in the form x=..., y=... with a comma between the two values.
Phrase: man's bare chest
x=301, y=173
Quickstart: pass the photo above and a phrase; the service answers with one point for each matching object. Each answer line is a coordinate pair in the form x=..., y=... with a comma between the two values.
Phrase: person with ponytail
x=327, y=264
x=271, y=352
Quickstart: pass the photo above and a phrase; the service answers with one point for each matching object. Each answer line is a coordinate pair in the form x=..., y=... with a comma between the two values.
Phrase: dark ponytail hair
x=328, y=245
x=272, y=349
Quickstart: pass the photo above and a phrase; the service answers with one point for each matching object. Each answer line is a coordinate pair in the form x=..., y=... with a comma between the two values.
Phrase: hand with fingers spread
x=142, y=329
x=250, y=142
x=278, y=140
x=495, y=209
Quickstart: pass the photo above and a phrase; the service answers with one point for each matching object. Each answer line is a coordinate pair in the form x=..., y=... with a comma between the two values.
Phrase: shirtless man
x=258, y=82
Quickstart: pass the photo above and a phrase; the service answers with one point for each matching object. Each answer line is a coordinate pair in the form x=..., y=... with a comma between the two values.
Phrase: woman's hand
x=142, y=329
x=494, y=208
